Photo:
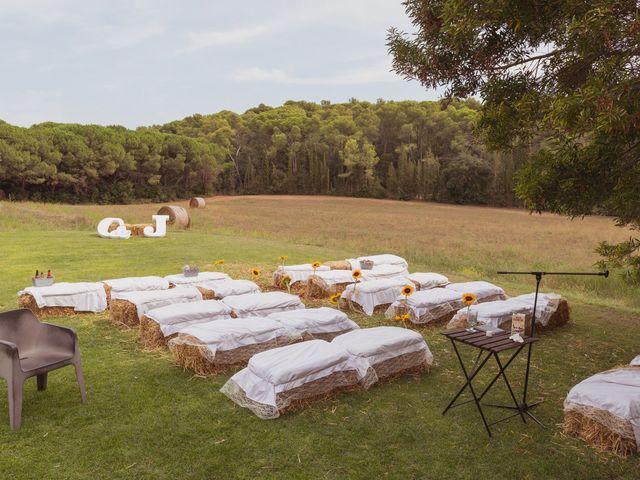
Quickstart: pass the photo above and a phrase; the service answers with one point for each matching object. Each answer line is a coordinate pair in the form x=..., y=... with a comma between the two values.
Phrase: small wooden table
x=488, y=347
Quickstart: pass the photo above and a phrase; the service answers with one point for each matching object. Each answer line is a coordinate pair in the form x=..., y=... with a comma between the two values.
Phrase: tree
x=565, y=71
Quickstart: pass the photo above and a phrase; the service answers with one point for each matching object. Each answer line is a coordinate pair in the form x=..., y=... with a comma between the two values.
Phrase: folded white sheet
x=173, y=318
x=82, y=296
x=262, y=304
x=315, y=320
x=383, y=343
x=426, y=280
x=132, y=284
x=151, y=299
x=180, y=279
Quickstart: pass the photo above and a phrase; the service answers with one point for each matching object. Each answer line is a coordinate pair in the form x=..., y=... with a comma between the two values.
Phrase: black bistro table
x=488, y=347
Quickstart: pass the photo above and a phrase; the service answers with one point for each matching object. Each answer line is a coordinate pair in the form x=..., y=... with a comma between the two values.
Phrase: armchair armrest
x=7, y=348
x=9, y=359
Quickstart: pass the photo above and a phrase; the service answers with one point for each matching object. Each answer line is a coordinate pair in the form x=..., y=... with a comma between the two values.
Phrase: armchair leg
x=14, y=388
x=80, y=378
x=42, y=381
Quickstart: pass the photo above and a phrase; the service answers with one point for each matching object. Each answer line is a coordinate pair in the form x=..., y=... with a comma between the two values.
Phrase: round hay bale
x=122, y=312
x=197, y=202
x=178, y=216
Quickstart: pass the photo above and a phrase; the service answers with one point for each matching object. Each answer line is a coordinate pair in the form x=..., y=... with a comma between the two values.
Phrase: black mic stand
x=525, y=406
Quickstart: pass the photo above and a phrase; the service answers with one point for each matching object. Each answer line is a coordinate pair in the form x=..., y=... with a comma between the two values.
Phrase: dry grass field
x=147, y=418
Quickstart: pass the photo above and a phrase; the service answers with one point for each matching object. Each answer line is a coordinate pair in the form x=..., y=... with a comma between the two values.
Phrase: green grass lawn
x=146, y=418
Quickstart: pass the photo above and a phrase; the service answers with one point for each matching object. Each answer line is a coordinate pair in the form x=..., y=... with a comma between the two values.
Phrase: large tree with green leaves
x=563, y=73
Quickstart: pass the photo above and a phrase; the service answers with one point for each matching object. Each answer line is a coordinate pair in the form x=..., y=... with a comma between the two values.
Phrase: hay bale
x=151, y=336
x=408, y=363
x=560, y=317
x=207, y=293
x=591, y=428
x=197, y=202
x=318, y=288
x=137, y=229
x=338, y=265
x=297, y=288
x=178, y=216
x=122, y=312
x=27, y=301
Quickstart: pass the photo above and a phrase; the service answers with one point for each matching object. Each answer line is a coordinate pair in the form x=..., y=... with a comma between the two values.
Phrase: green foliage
x=404, y=150
x=564, y=71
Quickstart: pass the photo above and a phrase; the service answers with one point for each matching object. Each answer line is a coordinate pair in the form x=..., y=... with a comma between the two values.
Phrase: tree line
x=403, y=150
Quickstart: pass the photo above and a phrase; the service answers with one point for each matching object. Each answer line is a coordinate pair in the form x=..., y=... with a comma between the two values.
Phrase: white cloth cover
x=300, y=273
x=225, y=288
x=334, y=277
x=384, y=271
x=426, y=280
x=229, y=334
x=175, y=317
x=616, y=391
x=428, y=305
x=635, y=361
x=480, y=289
x=82, y=296
x=146, y=301
x=378, y=260
x=315, y=320
x=383, y=343
x=133, y=284
x=372, y=293
x=262, y=304
x=180, y=279
x=280, y=369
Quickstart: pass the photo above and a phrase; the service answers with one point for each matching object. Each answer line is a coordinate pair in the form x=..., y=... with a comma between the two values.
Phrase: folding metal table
x=488, y=347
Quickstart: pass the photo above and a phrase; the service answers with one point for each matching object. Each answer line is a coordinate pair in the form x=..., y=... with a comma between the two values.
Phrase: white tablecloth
x=82, y=296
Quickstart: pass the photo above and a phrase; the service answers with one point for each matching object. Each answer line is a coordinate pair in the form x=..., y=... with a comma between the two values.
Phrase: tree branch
x=530, y=59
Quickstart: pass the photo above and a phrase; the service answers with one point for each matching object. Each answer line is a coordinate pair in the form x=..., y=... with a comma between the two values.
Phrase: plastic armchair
x=30, y=348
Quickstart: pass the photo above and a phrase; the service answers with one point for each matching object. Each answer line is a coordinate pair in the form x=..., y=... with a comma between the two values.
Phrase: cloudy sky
x=142, y=62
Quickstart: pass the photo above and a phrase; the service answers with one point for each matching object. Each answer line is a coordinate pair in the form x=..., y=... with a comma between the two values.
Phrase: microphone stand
x=525, y=406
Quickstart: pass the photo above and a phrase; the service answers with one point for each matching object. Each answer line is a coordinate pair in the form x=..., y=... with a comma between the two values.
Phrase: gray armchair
x=30, y=348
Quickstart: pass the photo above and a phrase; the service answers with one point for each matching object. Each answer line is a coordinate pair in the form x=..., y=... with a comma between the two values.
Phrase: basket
x=42, y=281
x=366, y=264
x=190, y=271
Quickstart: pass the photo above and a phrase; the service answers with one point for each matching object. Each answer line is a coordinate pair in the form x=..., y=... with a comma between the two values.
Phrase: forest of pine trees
x=403, y=150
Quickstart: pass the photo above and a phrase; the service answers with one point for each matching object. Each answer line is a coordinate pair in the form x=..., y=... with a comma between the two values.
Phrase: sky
x=145, y=62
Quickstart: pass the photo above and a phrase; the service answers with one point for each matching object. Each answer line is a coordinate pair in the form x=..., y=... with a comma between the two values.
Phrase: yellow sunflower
x=283, y=258
x=407, y=290
x=255, y=272
x=398, y=318
x=335, y=298
x=220, y=261
x=468, y=298
x=286, y=281
x=406, y=316
x=356, y=274
x=315, y=265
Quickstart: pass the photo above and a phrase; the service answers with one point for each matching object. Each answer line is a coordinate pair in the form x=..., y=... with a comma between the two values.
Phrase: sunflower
x=255, y=272
x=220, y=261
x=398, y=318
x=283, y=258
x=468, y=298
x=315, y=265
x=335, y=298
x=406, y=316
x=356, y=274
x=407, y=290
x=286, y=281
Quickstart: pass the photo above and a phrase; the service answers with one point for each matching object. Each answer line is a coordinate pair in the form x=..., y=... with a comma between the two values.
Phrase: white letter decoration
x=121, y=232
x=161, y=226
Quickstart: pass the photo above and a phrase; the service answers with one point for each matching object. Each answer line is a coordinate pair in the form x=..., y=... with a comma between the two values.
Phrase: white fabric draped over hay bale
x=380, y=346
x=233, y=341
x=635, y=361
x=262, y=304
x=498, y=313
x=480, y=289
x=226, y=288
x=297, y=273
x=370, y=294
x=148, y=300
x=81, y=296
x=427, y=306
x=137, y=284
x=279, y=379
x=330, y=281
x=202, y=277
x=323, y=323
x=173, y=318
x=427, y=280
x=616, y=392
x=379, y=260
